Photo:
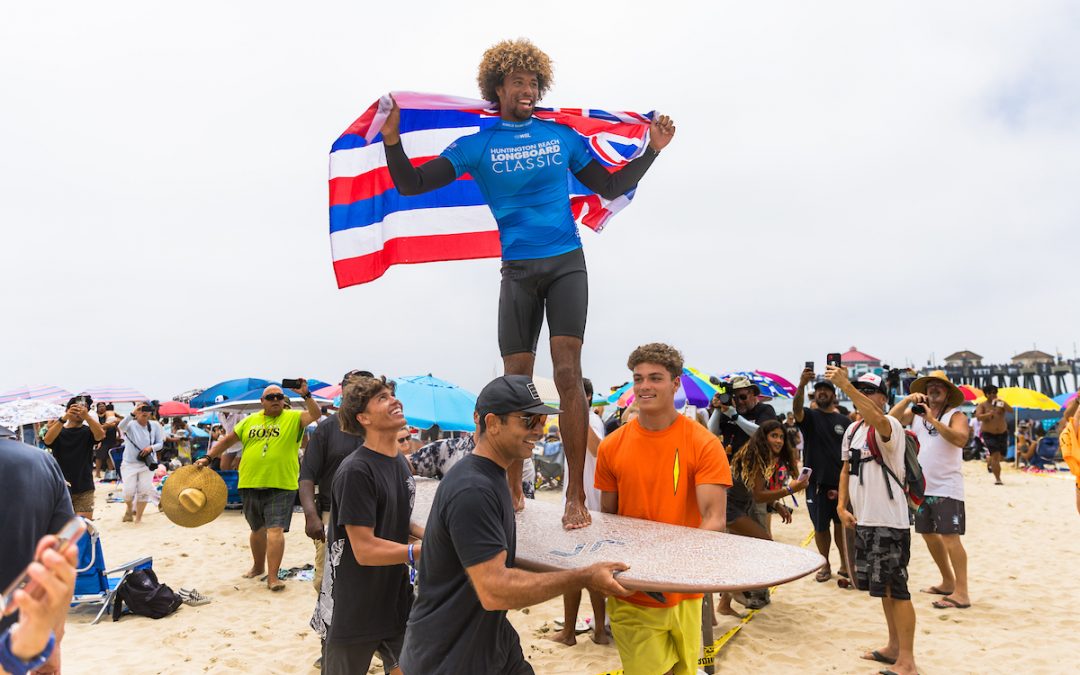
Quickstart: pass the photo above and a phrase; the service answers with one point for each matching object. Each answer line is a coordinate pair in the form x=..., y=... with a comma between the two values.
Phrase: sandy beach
x=1023, y=538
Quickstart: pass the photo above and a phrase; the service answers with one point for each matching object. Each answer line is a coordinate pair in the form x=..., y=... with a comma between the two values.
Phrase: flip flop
x=934, y=590
x=880, y=658
x=822, y=576
x=949, y=603
x=280, y=586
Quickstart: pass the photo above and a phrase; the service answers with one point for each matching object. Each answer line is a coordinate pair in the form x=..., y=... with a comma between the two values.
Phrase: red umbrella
x=175, y=409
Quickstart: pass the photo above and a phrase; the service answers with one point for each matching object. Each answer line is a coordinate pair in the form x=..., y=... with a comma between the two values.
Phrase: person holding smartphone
x=72, y=439
x=993, y=415
x=143, y=440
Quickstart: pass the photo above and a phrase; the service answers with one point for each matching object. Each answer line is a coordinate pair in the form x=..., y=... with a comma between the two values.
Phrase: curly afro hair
x=507, y=56
x=660, y=354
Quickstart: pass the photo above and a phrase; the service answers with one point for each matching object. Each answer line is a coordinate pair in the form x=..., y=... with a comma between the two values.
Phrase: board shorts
x=651, y=640
x=83, y=502
x=996, y=442
x=559, y=284
x=941, y=515
x=346, y=657
x=821, y=507
x=881, y=560
x=268, y=507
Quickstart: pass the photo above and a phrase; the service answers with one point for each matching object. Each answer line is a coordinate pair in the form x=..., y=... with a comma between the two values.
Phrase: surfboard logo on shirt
x=675, y=472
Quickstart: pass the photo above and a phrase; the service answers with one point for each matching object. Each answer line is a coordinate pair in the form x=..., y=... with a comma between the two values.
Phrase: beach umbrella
x=1019, y=397
x=329, y=391
x=36, y=392
x=229, y=389
x=115, y=394
x=768, y=386
x=427, y=400
x=250, y=401
x=14, y=414
x=786, y=385
x=175, y=409
x=971, y=393
x=209, y=418
x=1063, y=400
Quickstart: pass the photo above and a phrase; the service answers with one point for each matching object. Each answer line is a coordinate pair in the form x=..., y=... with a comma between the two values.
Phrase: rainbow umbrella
x=694, y=389
x=115, y=394
x=768, y=386
x=971, y=393
x=786, y=385
x=37, y=392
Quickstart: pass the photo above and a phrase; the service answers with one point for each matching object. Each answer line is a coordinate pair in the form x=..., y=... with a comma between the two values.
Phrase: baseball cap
x=824, y=383
x=871, y=381
x=511, y=393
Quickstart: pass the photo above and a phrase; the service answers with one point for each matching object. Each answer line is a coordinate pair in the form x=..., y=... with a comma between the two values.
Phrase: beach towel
x=373, y=227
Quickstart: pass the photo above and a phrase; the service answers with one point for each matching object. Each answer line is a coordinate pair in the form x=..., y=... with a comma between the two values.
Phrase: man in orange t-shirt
x=666, y=468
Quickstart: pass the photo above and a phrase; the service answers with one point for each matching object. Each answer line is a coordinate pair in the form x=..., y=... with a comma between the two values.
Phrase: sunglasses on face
x=866, y=391
x=403, y=440
x=145, y=410
x=530, y=421
x=274, y=397
x=744, y=397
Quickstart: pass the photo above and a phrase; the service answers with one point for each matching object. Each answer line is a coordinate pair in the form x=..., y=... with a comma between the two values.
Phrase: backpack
x=145, y=596
x=914, y=484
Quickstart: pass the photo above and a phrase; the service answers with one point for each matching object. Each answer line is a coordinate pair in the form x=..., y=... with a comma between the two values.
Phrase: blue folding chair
x=1046, y=453
x=94, y=584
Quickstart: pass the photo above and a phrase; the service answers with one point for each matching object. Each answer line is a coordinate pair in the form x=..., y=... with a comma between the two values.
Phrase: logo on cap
x=532, y=390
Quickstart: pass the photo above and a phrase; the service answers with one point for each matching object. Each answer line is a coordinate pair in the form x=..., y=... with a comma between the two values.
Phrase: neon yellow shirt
x=271, y=450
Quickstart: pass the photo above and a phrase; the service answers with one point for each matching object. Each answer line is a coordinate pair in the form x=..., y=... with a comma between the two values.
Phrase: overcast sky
x=897, y=176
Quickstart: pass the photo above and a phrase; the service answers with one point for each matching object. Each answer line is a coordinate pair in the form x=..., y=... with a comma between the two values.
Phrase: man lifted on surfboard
x=521, y=166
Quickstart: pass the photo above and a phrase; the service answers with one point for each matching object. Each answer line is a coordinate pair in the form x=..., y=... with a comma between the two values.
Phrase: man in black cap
x=823, y=433
x=467, y=577
x=72, y=439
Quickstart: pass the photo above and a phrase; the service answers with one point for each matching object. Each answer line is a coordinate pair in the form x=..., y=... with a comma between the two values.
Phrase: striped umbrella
x=37, y=392
x=115, y=394
x=970, y=393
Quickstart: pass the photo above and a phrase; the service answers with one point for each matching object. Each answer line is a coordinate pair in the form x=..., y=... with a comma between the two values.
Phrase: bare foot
x=576, y=516
x=600, y=635
x=729, y=611
x=566, y=636
x=275, y=585
x=252, y=573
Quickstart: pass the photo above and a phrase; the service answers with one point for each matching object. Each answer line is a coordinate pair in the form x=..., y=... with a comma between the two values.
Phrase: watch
x=17, y=666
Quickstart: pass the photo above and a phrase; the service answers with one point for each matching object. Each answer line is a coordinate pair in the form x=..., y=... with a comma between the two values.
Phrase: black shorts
x=559, y=284
x=268, y=507
x=941, y=515
x=348, y=657
x=822, y=508
x=881, y=560
x=996, y=442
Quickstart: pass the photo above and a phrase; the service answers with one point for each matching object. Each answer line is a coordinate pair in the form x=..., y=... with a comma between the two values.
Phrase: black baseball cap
x=824, y=383
x=512, y=393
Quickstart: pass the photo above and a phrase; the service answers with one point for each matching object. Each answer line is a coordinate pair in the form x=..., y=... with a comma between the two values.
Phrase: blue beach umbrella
x=227, y=390
x=428, y=400
x=250, y=401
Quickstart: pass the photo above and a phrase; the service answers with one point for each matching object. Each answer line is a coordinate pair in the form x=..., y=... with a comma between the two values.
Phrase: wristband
x=17, y=666
x=788, y=487
x=412, y=565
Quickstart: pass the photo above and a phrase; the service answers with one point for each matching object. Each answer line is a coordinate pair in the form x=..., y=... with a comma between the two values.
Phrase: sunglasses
x=274, y=397
x=145, y=410
x=744, y=397
x=530, y=421
x=403, y=440
x=356, y=373
x=867, y=390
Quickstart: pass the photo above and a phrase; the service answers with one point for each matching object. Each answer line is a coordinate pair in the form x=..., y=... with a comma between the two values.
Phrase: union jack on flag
x=373, y=227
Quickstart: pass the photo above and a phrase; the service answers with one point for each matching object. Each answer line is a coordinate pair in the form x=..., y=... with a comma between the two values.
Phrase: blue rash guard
x=521, y=169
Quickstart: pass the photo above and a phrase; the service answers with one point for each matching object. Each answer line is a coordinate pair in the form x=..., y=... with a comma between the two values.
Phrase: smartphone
x=68, y=536
x=288, y=383
x=833, y=359
x=805, y=473
x=809, y=366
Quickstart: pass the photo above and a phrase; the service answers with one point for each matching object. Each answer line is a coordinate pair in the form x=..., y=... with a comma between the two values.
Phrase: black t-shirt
x=74, y=452
x=471, y=521
x=823, y=434
x=734, y=435
x=34, y=501
x=112, y=434
x=326, y=448
x=358, y=602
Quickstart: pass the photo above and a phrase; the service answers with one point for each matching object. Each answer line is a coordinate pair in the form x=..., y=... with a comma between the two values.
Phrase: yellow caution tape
x=712, y=650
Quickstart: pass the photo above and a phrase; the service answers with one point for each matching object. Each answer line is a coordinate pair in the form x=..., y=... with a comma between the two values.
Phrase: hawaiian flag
x=373, y=227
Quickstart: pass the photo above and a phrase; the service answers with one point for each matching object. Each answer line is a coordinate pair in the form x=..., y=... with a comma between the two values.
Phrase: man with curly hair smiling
x=520, y=165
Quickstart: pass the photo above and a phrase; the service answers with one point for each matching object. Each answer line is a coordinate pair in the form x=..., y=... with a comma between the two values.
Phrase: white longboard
x=662, y=558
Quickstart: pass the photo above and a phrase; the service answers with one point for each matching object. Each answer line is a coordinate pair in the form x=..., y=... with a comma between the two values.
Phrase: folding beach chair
x=1047, y=453
x=94, y=584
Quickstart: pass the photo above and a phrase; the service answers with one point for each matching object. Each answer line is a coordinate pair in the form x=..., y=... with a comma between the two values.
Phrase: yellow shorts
x=653, y=639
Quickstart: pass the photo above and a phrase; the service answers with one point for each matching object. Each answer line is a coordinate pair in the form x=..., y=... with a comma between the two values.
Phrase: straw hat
x=956, y=397
x=193, y=496
x=743, y=382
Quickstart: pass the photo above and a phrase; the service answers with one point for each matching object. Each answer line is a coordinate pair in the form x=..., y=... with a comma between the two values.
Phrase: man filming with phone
x=269, y=473
x=993, y=414
x=71, y=440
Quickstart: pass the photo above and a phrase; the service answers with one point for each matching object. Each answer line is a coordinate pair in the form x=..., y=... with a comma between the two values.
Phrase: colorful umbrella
x=115, y=394
x=1063, y=400
x=37, y=392
x=175, y=409
x=766, y=384
x=1019, y=397
x=428, y=400
x=331, y=391
x=971, y=393
x=694, y=389
x=14, y=414
x=227, y=390
x=786, y=385
x=251, y=401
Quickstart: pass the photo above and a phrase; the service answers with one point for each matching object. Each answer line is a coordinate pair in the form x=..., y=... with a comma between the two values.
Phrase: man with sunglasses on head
x=467, y=576
x=735, y=424
x=269, y=474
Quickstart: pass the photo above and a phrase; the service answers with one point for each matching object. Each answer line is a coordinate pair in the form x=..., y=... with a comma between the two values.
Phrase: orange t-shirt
x=655, y=473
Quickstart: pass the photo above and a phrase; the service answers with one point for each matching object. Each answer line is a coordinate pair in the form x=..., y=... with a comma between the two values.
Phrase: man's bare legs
x=275, y=551
x=900, y=617
x=517, y=364
x=573, y=426
x=951, y=558
x=571, y=604
x=995, y=466
x=257, y=542
x=941, y=558
x=824, y=541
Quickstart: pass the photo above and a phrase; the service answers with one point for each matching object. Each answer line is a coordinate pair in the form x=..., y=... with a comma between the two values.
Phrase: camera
x=722, y=389
x=918, y=409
